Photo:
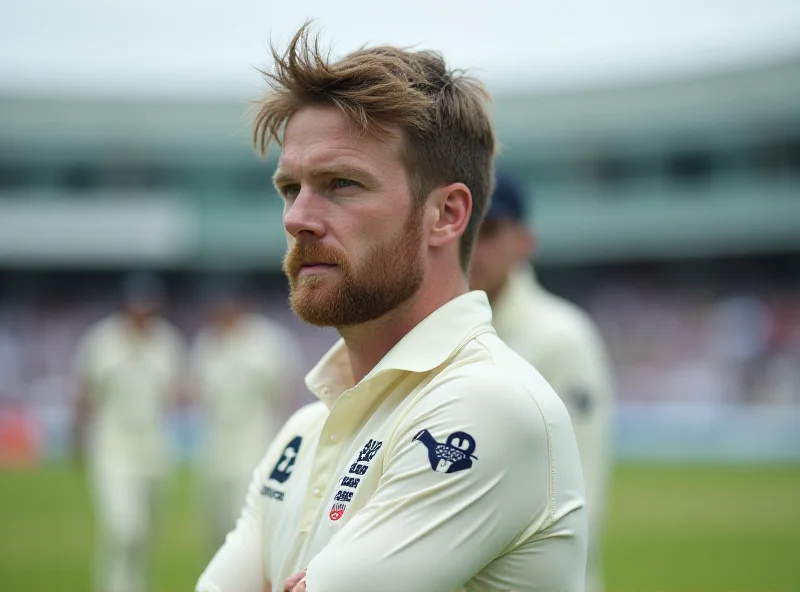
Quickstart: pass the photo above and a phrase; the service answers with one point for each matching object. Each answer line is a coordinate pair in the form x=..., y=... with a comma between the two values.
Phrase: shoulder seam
x=551, y=511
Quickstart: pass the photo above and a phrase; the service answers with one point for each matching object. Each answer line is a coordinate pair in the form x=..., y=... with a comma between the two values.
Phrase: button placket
x=344, y=416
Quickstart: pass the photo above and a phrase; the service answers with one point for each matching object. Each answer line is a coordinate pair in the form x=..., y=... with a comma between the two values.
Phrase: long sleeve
x=439, y=517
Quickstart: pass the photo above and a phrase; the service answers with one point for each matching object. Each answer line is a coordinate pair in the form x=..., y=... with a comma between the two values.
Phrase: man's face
x=355, y=242
x=500, y=246
x=226, y=312
x=141, y=312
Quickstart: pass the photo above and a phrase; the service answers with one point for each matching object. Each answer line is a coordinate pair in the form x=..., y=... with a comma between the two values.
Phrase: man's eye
x=290, y=191
x=343, y=183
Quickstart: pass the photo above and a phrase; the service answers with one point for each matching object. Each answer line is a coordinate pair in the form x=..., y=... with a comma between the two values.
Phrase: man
x=556, y=337
x=243, y=367
x=128, y=366
x=436, y=459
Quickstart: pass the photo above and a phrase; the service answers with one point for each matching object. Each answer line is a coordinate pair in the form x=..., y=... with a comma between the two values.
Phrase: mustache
x=303, y=253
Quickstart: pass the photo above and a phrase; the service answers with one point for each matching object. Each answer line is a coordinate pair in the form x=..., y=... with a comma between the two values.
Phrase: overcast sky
x=209, y=47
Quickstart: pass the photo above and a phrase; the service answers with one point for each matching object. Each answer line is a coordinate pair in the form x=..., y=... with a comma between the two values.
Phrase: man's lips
x=315, y=266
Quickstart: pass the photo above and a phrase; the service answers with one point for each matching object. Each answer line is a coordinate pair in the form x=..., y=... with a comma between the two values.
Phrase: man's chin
x=316, y=316
x=312, y=308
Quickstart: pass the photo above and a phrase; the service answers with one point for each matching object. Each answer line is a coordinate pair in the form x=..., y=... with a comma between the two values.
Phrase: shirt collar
x=428, y=345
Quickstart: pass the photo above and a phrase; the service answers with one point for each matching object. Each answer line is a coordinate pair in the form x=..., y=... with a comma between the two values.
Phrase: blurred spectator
x=10, y=361
x=678, y=344
x=668, y=338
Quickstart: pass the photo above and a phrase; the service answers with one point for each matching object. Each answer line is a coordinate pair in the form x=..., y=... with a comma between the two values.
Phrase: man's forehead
x=330, y=160
x=320, y=133
x=325, y=158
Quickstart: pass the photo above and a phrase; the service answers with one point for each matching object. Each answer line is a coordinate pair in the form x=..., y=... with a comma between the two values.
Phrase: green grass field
x=671, y=529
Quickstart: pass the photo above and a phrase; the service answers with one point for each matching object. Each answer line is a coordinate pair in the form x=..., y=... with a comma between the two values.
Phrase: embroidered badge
x=337, y=511
x=349, y=483
x=456, y=454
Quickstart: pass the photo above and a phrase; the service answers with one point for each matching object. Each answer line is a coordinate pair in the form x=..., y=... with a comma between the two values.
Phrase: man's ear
x=450, y=208
x=525, y=243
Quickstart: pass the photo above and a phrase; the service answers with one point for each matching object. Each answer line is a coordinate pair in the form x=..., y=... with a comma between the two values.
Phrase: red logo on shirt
x=337, y=511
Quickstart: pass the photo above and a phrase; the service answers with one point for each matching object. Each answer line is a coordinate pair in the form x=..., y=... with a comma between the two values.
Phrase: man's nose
x=302, y=216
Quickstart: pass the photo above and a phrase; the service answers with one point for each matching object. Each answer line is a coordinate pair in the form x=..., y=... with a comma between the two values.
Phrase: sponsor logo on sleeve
x=456, y=454
x=282, y=469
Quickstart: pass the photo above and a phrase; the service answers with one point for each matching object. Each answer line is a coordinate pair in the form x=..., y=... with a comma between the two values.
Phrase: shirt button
x=325, y=391
x=334, y=438
x=318, y=491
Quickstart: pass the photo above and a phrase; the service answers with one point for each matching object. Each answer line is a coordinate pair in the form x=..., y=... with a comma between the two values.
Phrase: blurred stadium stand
x=669, y=208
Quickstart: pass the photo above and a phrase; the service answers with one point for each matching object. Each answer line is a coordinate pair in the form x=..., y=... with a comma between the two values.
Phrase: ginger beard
x=391, y=273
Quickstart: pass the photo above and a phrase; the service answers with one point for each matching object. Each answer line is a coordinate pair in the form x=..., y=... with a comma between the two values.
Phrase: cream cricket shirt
x=562, y=342
x=451, y=464
x=131, y=380
x=241, y=377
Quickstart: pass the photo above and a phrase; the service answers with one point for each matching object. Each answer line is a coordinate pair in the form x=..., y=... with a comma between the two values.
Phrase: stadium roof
x=711, y=107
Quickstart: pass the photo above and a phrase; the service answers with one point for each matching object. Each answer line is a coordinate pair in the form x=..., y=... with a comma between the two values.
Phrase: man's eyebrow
x=340, y=169
x=282, y=177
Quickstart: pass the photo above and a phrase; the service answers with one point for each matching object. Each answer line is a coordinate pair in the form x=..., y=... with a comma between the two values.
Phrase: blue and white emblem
x=283, y=468
x=454, y=455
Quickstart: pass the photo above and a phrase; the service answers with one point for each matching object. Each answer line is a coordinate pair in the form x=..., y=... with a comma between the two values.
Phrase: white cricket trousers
x=125, y=504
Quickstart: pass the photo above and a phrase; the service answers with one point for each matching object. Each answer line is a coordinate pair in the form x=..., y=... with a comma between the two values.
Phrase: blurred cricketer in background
x=435, y=459
x=556, y=337
x=128, y=367
x=243, y=367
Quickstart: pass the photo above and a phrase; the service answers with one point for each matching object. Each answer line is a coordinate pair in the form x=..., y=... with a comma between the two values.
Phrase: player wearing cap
x=559, y=339
x=435, y=459
x=243, y=368
x=128, y=366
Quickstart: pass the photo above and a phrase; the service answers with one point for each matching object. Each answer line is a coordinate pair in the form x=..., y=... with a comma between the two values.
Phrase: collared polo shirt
x=451, y=465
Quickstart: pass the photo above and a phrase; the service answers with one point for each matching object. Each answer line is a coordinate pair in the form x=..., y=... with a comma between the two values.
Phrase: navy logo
x=349, y=483
x=273, y=493
x=581, y=402
x=453, y=456
x=283, y=468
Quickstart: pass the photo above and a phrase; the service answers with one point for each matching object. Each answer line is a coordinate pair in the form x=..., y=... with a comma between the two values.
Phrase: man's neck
x=369, y=342
x=225, y=327
x=494, y=295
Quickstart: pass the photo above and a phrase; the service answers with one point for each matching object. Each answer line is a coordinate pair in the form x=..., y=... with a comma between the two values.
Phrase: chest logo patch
x=337, y=511
x=349, y=483
x=456, y=454
x=283, y=468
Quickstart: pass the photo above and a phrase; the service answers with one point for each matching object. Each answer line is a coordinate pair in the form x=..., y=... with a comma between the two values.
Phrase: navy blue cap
x=142, y=287
x=224, y=287
x=508, y=199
